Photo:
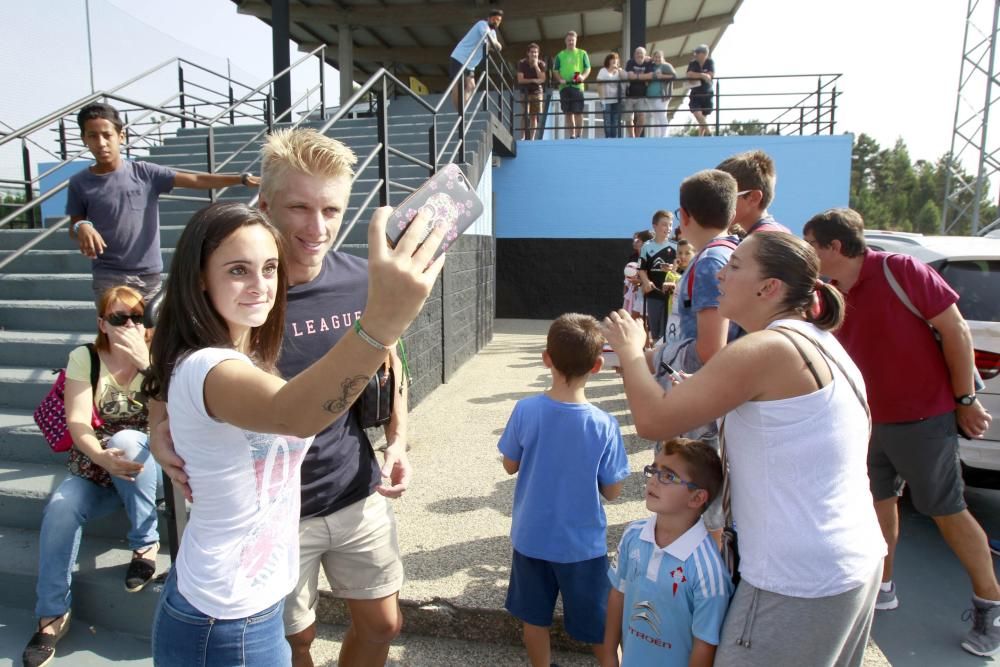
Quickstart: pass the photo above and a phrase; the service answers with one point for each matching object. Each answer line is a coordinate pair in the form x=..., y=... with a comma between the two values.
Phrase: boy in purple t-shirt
x=566, y=453
x=113, y=205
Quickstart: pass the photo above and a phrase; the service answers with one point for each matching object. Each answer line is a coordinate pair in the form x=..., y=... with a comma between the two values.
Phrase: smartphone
x=667, y=369
x=610, y=357
x=447, y=198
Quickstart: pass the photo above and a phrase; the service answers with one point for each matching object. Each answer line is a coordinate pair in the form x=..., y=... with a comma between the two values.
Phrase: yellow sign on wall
x=418, y=87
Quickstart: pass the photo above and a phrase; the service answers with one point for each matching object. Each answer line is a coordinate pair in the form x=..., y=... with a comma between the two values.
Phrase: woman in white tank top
x=214, y=354
x=796, y=433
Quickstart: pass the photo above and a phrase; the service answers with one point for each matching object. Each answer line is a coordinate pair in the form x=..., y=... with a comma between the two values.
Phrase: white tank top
x=799, y=482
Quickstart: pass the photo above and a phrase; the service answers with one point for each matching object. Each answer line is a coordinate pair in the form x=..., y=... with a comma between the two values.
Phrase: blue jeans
x=612, y=120
x=185, y=637
x=76, y=501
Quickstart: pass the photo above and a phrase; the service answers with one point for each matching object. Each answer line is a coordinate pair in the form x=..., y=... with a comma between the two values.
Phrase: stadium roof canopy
x=415, y=37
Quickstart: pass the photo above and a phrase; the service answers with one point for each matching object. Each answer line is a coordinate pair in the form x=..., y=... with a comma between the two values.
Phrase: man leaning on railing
x=471, y=46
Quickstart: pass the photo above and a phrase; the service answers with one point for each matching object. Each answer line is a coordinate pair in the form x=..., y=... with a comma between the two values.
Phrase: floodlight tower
x=978, y=91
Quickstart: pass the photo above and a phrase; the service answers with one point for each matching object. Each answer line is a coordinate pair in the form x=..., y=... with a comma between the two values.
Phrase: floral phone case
x=448, y=198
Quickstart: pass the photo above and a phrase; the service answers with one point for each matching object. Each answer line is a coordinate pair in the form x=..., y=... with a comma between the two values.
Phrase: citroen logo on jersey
x=644, y=610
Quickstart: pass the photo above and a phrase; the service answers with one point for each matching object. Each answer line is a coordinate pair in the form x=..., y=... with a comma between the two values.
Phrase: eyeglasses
x=667, y=477
x=119, y=319
x=743, y=192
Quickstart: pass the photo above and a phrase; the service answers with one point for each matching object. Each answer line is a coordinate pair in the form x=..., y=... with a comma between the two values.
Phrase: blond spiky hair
x=304, y=150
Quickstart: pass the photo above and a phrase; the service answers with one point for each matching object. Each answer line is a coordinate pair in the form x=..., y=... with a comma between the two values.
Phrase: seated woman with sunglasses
x=109, y=465
x=796, y=434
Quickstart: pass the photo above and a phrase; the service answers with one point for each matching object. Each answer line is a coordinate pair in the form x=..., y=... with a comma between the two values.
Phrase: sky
x=899, y=59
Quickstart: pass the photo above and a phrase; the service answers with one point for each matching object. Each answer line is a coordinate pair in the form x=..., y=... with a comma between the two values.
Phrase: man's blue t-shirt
x=340, y=468
x=473, y=40
x=124, y=207
x=672, y=594
x=704, y=269
x=565, y=450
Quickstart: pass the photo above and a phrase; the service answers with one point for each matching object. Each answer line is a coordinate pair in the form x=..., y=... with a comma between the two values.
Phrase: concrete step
x=25, y=489
x=61, y=261
x=63, y=286
x=358, y=139
x=22, y=442
x=39, y=349
x=48, y=315
x=24, y=388
x=99, y=593
x=13, y=239
x=89, y=642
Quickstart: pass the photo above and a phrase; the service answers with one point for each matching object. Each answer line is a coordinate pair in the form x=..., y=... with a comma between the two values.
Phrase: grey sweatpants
x=773, y=630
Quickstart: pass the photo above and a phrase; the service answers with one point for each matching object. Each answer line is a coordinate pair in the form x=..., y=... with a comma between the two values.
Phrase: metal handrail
x=163, y=109
x=319, y=49
x=95, y=96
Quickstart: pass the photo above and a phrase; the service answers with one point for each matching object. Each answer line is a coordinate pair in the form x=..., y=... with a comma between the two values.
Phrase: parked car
x=971, y=265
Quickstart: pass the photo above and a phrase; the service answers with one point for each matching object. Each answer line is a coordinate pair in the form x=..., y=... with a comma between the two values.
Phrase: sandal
x=140, y=570
x=42, y=648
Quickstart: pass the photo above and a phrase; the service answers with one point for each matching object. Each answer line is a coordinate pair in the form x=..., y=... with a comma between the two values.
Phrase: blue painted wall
x=609, y=188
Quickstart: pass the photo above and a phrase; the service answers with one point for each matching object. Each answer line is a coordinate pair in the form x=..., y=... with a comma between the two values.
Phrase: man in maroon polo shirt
x=917, y=389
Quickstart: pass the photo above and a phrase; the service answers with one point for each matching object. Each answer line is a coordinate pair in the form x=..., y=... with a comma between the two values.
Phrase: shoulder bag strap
x=857, y=392
x=95, y=369
x=712, y=244
x=809, y=364
x=725, y=494
x=900, y=292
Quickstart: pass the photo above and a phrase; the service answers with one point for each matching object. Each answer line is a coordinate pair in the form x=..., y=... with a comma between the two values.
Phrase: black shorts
x=571, y=100
x=703, y=102
x=453, y=68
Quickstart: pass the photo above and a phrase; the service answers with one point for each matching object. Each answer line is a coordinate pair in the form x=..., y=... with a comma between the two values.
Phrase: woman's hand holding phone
x=399, y=279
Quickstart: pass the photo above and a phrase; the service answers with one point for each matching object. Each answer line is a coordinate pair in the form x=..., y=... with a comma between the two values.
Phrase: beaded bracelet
x=363, y=335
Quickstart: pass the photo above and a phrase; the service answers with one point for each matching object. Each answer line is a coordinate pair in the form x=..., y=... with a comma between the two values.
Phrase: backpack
x=728, y=243
x=50, y=415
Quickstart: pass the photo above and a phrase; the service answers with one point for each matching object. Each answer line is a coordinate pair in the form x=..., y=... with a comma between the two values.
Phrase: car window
x=978, y=285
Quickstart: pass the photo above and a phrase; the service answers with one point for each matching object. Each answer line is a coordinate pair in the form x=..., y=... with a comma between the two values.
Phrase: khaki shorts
x=359, y=552
x=533, y=104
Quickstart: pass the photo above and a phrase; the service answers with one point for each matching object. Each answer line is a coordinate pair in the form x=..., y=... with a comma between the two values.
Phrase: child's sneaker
x=887, y=600
x=984, y=637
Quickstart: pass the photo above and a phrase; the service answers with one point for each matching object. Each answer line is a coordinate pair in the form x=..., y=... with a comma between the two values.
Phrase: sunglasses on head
x=119, y=319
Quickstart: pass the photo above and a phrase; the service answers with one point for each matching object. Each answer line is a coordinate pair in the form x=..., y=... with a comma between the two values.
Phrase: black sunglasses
x=119, y=319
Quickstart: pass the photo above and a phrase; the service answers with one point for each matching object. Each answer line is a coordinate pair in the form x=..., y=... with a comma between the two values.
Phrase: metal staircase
x=45, y=296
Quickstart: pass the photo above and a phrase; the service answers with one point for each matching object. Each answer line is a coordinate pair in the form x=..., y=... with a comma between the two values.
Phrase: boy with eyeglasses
x=566, y=453
x=670, y=589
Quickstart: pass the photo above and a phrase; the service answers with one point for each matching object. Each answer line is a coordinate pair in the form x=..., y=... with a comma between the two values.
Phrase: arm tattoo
x=349, y=390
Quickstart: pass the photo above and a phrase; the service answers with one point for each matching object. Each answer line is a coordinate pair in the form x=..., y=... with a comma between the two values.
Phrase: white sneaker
x=887, y=600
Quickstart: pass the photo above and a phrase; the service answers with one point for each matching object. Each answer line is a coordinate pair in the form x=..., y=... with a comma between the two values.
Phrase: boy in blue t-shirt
x=670, y=588
x=567, y=454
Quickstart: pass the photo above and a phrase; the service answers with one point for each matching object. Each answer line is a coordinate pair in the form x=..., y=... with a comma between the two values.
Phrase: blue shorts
x=535, y=583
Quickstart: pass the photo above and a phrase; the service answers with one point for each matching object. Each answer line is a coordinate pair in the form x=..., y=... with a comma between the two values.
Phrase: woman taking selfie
x=214, y=354
x=796, y=433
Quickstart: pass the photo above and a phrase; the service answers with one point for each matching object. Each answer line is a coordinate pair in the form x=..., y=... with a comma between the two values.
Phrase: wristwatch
x=245, y=178
x=967, y=399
